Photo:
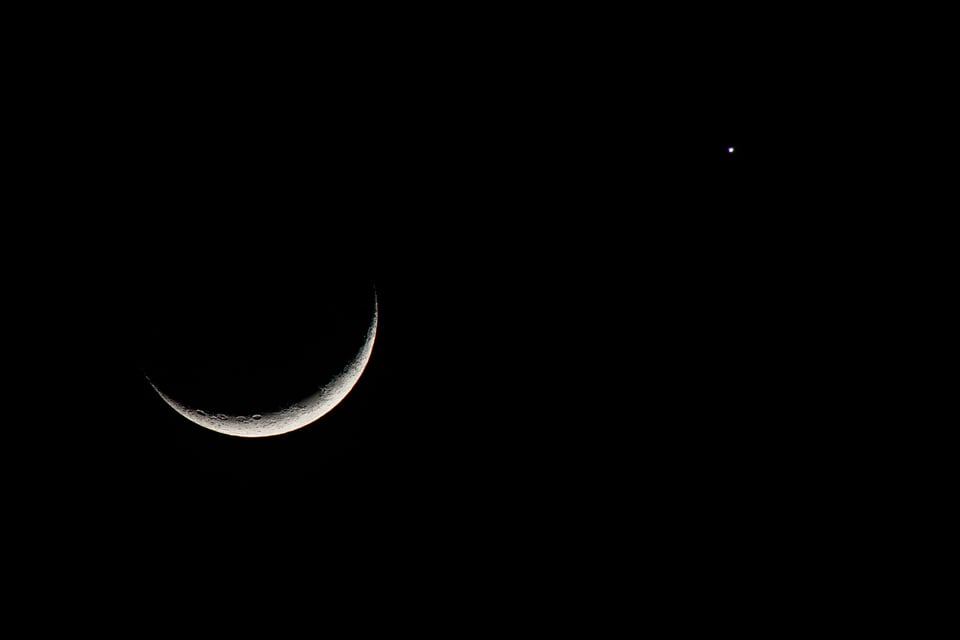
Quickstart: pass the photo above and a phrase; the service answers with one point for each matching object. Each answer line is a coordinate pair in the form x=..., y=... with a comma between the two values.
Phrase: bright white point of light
x=729, y=149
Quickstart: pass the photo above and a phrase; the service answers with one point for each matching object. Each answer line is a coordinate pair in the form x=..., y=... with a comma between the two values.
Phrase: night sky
x=540, y=322
x=581, y=298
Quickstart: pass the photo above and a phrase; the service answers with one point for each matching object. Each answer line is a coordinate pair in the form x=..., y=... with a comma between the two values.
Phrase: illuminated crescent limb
x=297, y=415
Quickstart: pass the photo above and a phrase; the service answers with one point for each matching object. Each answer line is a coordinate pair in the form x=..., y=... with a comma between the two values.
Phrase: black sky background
x=585, y=301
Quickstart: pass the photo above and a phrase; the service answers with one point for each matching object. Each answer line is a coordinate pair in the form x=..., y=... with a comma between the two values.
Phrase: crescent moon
x=296, y=416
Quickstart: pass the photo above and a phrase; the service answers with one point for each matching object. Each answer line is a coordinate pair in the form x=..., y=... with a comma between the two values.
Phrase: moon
x=292, y=417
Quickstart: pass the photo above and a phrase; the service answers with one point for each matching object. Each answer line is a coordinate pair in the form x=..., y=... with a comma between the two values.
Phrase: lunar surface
x=293, y=417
